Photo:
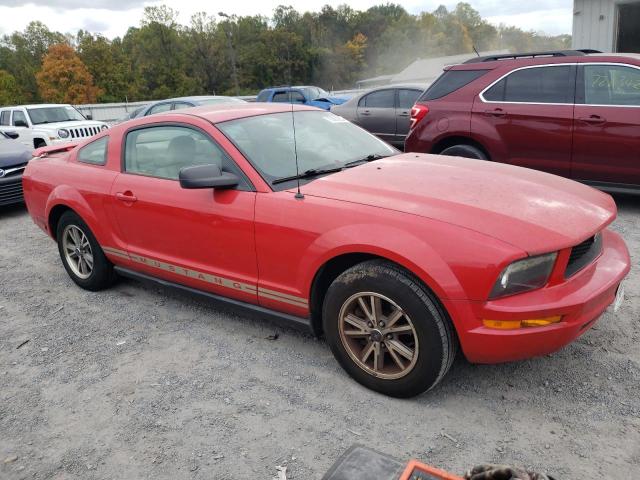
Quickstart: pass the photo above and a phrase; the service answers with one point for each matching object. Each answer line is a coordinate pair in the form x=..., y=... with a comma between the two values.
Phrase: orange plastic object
x=419, y=471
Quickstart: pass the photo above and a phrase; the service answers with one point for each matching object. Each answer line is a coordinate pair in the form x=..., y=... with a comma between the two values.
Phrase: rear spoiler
x=44, y=151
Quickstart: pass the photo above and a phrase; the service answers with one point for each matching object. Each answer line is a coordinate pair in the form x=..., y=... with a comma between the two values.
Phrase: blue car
x=312, y=96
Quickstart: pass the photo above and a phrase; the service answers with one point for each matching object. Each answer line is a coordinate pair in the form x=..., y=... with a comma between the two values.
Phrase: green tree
x=10, y=93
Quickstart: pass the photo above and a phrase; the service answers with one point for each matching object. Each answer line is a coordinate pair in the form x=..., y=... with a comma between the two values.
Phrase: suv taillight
x=418, y=112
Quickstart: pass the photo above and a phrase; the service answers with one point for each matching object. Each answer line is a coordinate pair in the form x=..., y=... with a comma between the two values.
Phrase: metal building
x=607, y=25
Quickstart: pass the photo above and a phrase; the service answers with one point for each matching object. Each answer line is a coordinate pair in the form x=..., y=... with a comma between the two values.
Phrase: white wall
x=594, y=24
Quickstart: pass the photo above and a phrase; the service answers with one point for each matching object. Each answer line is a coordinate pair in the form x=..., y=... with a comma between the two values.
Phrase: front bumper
x=11, y=190
x=580, y=300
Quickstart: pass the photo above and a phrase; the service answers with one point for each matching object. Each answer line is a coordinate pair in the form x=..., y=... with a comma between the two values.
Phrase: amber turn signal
x=515, y=324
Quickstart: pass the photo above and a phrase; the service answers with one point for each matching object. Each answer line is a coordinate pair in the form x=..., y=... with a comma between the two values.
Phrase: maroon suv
x=573, y=113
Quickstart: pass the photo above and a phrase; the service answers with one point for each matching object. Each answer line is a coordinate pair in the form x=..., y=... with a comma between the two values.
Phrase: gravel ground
x=144, y=382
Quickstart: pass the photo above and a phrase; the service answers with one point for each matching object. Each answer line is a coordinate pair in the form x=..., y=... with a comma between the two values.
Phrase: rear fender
x=64, y=195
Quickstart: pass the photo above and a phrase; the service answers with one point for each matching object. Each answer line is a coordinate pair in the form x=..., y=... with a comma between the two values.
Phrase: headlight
x=523, y=275
x=63, y=133
x=104, y=127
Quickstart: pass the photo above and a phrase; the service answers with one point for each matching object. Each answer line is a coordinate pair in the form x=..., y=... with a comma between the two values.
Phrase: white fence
x=112, y=112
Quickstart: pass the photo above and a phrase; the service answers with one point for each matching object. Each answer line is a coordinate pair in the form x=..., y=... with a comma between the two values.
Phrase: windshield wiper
x=368, y=158
x=313, y=172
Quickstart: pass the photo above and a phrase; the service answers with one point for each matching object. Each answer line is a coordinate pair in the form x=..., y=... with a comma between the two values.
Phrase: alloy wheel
x=378, y=335
x=77, y=251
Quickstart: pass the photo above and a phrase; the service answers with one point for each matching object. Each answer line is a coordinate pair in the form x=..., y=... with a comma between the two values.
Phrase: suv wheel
x=386, y=330
x=466, y=151
x=82, y=257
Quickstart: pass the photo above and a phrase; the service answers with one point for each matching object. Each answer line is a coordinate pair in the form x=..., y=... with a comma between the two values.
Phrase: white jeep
x=42, y=125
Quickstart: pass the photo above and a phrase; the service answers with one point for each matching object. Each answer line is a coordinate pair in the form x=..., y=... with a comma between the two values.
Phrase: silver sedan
x=384, y=111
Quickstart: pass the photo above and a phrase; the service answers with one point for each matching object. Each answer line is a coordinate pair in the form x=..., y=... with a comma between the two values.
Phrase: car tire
x=81, y=255
x=414, y=351
x=466, y=151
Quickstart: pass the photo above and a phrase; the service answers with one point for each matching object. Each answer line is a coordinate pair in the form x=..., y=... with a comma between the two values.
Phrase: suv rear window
x=4, y=117
x=552, y=84
x=449, y=82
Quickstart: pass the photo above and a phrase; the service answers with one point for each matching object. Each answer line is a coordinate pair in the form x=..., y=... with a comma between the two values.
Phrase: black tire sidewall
x=102, y=274
x=424, y=314
x=466, y=151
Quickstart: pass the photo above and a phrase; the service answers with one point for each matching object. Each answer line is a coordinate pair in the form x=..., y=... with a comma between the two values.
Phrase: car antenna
x=475, y=50
x=298, y=195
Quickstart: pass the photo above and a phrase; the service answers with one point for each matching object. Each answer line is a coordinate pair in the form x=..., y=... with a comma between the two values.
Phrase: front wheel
x=466, y=151
x=386, y=330
x=81, y=255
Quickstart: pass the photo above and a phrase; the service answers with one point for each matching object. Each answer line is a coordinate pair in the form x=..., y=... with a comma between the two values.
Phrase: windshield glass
x=54, y=114
x=323, y=141
x=315, y=92
x=214, y=101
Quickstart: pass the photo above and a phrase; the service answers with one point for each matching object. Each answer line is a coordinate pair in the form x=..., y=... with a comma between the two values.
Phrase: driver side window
x=162, y=151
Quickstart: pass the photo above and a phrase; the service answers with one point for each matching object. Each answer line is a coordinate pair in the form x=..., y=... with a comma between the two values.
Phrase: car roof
x=537, y=58
x=233, y=111
x=194, y=98
x=39, y=105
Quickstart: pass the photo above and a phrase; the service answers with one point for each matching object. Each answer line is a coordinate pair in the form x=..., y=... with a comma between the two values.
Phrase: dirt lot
x=141, y=382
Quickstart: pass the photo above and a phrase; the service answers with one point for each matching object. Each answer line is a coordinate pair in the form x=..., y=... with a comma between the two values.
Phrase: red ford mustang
x=397, y=259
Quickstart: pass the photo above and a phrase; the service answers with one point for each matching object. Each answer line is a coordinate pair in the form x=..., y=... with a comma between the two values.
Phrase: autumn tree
x=63, y=77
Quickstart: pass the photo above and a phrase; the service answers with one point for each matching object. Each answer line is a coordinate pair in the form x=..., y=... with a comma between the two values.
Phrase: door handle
x=593, y=119
x=404, y=114
x=365, y=112
x=126, y=197
x=496, y=112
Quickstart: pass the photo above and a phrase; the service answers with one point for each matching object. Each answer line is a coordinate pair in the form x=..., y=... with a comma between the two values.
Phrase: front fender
x=392, y=243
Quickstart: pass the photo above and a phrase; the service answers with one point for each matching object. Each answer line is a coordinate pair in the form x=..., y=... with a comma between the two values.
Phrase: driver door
x=201, y=238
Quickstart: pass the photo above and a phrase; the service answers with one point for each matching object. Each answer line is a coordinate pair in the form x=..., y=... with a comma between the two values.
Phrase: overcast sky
x=113, y=17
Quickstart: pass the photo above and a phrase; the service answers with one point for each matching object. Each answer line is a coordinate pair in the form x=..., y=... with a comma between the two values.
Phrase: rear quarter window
x=449, y=82
x=263, y=96
x=95, y=153
x=4, y=117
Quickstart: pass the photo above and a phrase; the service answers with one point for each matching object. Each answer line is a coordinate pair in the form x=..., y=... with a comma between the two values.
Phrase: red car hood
x=531, y=210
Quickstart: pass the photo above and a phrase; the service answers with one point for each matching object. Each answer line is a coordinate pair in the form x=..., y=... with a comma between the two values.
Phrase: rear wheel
x=386, y=330
x=81, y=255
x=466, y=151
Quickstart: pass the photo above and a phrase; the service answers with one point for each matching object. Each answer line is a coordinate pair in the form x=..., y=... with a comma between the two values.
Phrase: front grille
x=583, y=254
x=11, y=192
x=82, y=132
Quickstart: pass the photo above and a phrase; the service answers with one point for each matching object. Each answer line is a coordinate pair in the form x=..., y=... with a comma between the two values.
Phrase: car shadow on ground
x=15, y=210
x=627, y=203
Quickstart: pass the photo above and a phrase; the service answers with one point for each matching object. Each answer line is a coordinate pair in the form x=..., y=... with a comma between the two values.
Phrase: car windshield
x=213, y=101
x=66, y=113
x=323, y=141
x=315, y=92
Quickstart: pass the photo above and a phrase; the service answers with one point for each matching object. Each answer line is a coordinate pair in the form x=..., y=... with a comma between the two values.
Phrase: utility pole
x=232, y=52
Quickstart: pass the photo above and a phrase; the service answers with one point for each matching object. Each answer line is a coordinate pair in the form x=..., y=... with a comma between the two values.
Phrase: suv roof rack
x=551, y=53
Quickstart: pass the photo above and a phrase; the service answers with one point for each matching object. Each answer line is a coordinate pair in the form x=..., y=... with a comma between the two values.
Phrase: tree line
x=239, y=55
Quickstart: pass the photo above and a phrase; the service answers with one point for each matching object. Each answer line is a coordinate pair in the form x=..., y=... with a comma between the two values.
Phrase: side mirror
x=20, y=123
x=88, y=116
x=12, y=134
x=206, y=176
